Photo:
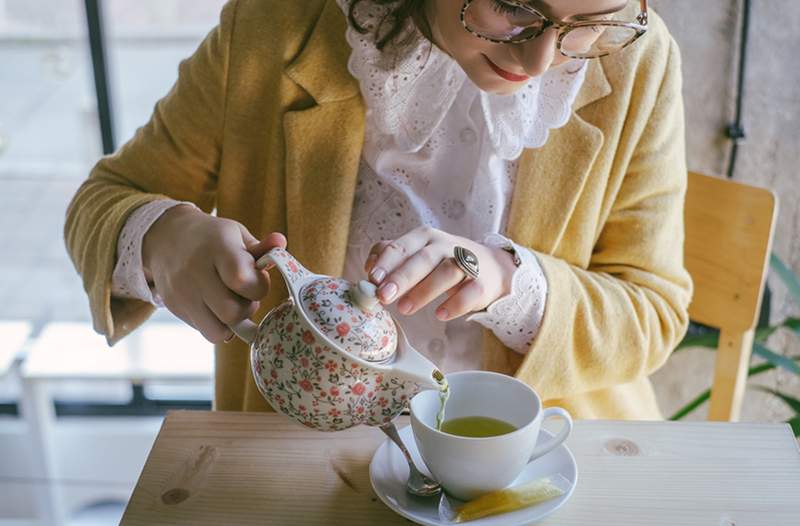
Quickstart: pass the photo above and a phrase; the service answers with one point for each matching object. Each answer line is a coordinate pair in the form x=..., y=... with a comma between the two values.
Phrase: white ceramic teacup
x=470, y=467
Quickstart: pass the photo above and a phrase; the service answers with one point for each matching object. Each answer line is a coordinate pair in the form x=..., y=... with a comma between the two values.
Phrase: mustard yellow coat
x=266, y=125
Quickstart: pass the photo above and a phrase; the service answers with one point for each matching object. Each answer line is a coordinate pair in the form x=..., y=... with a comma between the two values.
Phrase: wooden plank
x=248, y=468
x=730, y=375
x=729, y=229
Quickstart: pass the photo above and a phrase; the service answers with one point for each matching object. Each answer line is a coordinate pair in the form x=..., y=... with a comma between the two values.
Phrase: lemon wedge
x=508, y=499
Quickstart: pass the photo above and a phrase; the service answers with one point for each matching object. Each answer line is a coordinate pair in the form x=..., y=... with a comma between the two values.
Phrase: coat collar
x=539, y=218
x=322, y=161
x=321, y=66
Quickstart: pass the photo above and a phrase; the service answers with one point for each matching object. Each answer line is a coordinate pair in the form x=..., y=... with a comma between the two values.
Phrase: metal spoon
x=418, y=484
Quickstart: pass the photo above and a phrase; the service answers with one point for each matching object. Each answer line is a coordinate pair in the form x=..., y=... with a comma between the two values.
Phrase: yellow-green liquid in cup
x=477, y=427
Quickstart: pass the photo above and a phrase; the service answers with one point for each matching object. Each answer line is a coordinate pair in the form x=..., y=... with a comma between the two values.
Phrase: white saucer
x=388, y=473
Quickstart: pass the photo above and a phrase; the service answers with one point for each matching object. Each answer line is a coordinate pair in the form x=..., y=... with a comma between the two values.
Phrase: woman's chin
x=497, y=85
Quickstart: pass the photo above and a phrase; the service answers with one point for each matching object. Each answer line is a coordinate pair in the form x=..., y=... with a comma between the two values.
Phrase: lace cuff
x=516, y=317
x=128, y=280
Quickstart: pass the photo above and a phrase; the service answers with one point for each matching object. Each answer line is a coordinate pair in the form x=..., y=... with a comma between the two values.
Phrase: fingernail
x=441, y=313
x=405, y=306
x=378, y=274
x=230, y=337
x=370, y=261
x=388, y=291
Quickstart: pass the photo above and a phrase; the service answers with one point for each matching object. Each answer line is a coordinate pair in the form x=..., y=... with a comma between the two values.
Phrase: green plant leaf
x=711, y=339
x=691, y=406
x=763, y=333
x=699, y=340
x=795, y=423
x=786, y=275
x=792, y=324
x=792, y=402
x=779, y=360
x=705, y=395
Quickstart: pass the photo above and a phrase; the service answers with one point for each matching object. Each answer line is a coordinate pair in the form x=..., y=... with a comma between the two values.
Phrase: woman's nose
x=536, y=55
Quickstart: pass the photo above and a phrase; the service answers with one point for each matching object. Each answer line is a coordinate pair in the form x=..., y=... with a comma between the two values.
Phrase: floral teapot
x=331, y=356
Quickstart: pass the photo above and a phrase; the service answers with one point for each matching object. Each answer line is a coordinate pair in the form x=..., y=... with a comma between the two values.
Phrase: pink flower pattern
x=369, y=335
x=340, y=392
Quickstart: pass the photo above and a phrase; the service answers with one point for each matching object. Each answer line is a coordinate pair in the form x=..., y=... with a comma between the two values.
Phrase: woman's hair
x=391, y=29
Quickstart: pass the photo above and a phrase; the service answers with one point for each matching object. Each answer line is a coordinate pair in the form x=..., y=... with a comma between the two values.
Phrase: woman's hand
x=203, y=267
x=418, y=267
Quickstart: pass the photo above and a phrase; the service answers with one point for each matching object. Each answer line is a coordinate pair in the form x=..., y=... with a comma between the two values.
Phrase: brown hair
x=392, y=28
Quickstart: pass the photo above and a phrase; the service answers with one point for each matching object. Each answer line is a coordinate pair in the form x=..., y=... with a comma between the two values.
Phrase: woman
x=556, y=123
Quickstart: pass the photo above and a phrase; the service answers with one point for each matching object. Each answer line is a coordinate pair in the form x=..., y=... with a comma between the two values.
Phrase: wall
x=708, y=34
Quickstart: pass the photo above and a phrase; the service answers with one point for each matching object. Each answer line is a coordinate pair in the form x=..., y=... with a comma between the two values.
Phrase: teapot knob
x=364, y=295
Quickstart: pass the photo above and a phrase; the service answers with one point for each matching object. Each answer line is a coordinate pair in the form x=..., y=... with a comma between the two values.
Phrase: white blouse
x=439, y=152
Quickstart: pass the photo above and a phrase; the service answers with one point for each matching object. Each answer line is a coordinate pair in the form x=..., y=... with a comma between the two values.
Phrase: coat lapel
x=550, y=179
x=323, y=147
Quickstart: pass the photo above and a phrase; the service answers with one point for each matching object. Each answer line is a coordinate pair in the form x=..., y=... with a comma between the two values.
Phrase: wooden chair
x=729, y=228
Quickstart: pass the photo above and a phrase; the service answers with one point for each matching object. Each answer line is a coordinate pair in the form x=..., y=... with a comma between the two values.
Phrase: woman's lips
x=506, y=74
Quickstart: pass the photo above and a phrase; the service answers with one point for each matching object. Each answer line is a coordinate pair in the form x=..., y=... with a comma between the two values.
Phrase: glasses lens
x=596, y=40
x=502, y=20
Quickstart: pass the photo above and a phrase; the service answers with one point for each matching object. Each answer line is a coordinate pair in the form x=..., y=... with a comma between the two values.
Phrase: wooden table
x=215, y=468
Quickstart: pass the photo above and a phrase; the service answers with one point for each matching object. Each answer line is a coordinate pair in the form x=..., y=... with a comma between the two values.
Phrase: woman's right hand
x=203, y=267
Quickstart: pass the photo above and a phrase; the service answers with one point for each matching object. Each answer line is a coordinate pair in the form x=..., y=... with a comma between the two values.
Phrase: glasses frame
x=564, y=28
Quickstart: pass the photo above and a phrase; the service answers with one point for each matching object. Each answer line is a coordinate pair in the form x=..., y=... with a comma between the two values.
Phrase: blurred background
x=77, y=419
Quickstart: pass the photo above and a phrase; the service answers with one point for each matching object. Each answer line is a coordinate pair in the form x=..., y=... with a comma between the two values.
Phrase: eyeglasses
x=513, y=22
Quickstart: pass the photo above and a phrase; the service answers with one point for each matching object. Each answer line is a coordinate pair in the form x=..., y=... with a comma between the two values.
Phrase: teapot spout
x=412, y=365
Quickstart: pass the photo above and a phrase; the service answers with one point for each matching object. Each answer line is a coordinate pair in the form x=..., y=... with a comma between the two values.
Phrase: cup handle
x=562, y=435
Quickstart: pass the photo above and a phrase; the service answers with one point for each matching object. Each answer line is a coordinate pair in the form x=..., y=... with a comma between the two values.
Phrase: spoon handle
x=418, y=483
x=391, y=431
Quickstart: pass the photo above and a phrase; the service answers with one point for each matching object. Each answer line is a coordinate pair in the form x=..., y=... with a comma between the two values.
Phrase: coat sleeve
x=619, y=318
x=176, y=154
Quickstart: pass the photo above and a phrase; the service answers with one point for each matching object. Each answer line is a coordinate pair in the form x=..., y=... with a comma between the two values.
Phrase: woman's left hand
x=418, y=267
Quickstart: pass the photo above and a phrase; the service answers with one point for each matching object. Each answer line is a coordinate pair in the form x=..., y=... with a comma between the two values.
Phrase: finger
x=237, y=270
x=204, y=320
x=411, y=272
x=178, y=310
x=444, y=279
x=228, y=307
x=395, y=252
x=468, y=297
x=376, y=249
x=248, y=238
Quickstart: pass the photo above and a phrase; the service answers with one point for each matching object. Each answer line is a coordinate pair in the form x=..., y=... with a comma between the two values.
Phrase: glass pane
x=146, y=41
x=49, y=127
x=48, y=139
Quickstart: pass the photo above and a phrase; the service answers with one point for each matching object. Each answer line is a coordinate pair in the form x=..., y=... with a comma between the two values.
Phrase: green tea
x=477, y=427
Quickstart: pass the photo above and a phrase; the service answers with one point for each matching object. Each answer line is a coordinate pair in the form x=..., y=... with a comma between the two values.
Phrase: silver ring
x=467, y=261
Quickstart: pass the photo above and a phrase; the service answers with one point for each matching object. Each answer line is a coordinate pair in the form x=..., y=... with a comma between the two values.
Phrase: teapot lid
x=351, y=316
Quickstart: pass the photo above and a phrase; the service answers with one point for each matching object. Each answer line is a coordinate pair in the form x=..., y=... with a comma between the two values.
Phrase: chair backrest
x=729, y=229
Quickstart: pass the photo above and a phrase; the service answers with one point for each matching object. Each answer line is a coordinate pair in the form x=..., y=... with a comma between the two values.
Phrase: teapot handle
x=293, y=274
x=292, y=271
x=246, y=330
